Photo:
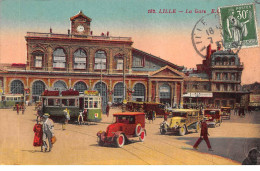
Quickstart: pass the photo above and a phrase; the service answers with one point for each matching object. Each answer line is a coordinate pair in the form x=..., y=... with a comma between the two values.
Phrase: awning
x=199, y=94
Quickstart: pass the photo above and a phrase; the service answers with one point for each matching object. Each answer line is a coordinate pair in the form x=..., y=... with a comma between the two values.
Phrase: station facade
x=81, y=61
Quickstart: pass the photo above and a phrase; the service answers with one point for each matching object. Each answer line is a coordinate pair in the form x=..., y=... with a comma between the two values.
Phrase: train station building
x=82, y=61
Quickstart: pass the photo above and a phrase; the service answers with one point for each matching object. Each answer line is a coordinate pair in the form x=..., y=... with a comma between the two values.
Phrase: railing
x=53, y=35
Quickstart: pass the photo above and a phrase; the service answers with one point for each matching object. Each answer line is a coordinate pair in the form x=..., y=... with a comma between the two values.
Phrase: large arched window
x=59, y=58
x=102, y=89
x=80, y=86
x=38, y=59
x=17, y=87
x=100, y=60
x=37, y=88
x=118, y=92
x=139, y=92
x=80, y=59
x=60, y=85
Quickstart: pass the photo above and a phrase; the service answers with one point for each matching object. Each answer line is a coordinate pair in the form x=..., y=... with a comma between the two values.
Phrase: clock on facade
x=80, y=28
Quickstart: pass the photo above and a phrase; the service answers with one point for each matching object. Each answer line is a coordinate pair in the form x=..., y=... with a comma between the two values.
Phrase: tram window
x=91, y=104
x=8, y=98
x=71, y=102
x=50, y=102
x=57, y=102
x=95, y=104
x=86, y=104
x=64, y=102
x=15, y=98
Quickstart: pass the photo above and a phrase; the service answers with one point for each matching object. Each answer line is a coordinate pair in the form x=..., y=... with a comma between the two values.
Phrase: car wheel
x=120, y=140
x=100, y=142
x=182, y=130
x=142, y=136
x=138, y=130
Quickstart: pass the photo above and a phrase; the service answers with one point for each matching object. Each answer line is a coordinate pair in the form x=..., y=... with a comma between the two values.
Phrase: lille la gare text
x=172, y=11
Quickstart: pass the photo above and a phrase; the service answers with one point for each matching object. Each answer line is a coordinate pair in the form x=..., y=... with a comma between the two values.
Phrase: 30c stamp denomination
x=239, y=26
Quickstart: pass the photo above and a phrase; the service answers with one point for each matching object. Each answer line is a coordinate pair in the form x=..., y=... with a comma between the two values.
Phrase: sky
x=165, y=35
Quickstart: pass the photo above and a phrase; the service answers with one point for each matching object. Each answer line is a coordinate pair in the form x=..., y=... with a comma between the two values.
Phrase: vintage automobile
x=158, y=108
x=182, y=121
x=134, y=106
x=225, y=112
x=127, y=125
x=213, y=116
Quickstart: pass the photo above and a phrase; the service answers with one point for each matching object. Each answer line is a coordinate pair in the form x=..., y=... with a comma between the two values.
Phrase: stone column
x=130, y=88
x=172, y=93
x=5, y=89
x=157, y=92
x=175, y=95
x=182, y=85
x=91, y=59
x=130, y=60
x=49, y=83
x=149, y=90
x=110, y=89
x=70, y=83
x=70, y=60
x=49, y=59
x=110, y=60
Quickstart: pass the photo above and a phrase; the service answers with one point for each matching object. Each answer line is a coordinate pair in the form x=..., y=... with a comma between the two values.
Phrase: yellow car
x=182, y=121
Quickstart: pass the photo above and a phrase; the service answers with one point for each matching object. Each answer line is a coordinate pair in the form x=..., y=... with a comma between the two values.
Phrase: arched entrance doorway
x=118, y=93
x=139, y=92
x=37, y=88
x=102, y=87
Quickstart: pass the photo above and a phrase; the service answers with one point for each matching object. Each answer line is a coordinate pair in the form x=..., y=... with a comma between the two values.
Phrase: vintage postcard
x=140, y=82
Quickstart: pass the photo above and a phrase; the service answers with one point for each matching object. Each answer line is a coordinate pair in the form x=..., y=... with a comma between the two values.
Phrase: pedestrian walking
x=66, y=118
x=80, y=118
x=107, y=110
x=23, y=108
x=17, y=108
x=203, y=135
x=48, y=132
x=38, y=133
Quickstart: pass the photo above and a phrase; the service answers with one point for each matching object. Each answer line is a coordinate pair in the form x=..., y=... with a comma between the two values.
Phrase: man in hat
x=203, y=135
x=48, y=131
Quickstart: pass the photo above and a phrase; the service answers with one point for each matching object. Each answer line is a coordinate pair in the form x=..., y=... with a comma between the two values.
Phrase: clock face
x=80, y=28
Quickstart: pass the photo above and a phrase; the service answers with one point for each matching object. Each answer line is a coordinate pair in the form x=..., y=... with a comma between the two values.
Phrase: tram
x=91, y=104
x=10, y=100
x=55, y=102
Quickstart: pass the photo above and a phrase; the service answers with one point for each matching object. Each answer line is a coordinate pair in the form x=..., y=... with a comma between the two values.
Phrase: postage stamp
x=239, y=26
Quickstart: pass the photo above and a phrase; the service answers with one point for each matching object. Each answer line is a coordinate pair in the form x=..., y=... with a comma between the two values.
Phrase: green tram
x=54, y=103
x=92, y=105
x=10, y=100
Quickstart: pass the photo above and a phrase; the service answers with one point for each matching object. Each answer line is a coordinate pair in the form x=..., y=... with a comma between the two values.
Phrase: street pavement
x=77, y=145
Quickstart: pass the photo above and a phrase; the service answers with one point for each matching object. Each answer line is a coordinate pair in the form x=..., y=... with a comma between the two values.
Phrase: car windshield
x=125, y=119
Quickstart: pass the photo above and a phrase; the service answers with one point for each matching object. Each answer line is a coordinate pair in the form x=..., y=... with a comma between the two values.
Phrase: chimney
x=219, y=47
x=208, y=51
x=50, y=30
x=107, y=33
x=68, y=31
x=91, y=33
